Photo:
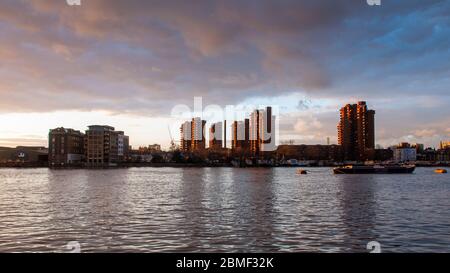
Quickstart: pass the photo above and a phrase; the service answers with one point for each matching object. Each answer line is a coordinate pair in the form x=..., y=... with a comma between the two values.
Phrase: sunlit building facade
x=240, y=131
x=198, y=134
x=185, y=136
x=262, y=131
x=356, y=131
x=192, y=135
x=104, y=146
x=216, y=136
x=444, y=145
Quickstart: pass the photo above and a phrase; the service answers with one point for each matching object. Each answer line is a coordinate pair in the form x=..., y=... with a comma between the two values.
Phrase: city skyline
x=225, y=135
x=202, y=133
x=127, y=64
x=253, y=137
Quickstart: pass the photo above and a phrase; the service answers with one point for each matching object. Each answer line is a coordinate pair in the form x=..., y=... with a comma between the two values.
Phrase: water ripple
x=222, y=210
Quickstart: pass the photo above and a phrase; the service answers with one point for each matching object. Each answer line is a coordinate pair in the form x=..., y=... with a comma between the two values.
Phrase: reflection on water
x=222, y=210
x=358, y=215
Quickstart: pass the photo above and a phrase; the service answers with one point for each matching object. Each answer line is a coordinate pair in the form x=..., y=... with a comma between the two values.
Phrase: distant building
x=403, y=145
x=193, y=135
x=429, y=154
x=443, y=155
x=255, y=132
x=123, y=145
x=444, y=145
x=262, y=131
x=104, y=146
x=198, y=134
x=66, y=147
x=185, y=138
x=240, y=133
x=37, y=156
x=419, y=147
x=405, y=153
x=356, y=131
x=216, y=136
x=155, y=148
x=225, y=134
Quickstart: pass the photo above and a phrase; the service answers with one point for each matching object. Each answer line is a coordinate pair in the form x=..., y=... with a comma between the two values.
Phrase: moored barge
x=375, y=169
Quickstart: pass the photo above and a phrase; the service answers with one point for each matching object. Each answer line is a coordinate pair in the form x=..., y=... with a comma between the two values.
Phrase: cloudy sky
x=127, y=63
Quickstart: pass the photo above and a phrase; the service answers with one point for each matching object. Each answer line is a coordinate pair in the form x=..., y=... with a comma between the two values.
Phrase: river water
x=222, y=210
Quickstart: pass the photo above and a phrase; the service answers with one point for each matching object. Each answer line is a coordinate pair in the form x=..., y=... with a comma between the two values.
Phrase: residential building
x=216, y=136
x=262, y=131
x=405, y=153
x=123, y=144
x=198, y=134
x=356, y=131
x=104, y=146
x=225, y=134
x=254, y=132
x=419, y=147
x=193, y=135
x=66, y=147
x=240, y=131
x=443, y=155
x=185, y=139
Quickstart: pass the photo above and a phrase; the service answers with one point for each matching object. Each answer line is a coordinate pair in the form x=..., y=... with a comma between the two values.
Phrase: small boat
x=300, y=171
x=374, y=169
x=440, y=171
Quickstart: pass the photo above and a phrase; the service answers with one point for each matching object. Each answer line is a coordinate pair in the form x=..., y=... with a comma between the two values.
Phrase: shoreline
x=174, y=165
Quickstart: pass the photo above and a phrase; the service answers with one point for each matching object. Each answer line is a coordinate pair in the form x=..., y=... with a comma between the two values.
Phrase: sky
x=128, y=63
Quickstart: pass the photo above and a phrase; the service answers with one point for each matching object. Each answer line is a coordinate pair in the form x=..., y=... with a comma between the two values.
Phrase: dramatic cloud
x=143, y=57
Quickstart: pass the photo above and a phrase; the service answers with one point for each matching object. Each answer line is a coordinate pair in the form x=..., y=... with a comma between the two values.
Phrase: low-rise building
x=443, y=155
x=123, y=144
x=66, y=147
x=104, y=146
x=154, y=148
x=405, y=153
x=24, y=156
